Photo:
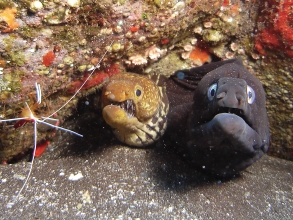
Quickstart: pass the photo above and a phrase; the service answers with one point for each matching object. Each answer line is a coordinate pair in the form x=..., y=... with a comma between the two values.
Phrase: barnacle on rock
x=185, y=55
x=197, y=30
x=35, y=6
x=188, y=47
x=73, y=3
x=193, y=41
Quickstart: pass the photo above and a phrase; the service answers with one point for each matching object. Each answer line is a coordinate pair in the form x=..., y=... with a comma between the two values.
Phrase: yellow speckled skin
x=147, y=123
x=123, y=87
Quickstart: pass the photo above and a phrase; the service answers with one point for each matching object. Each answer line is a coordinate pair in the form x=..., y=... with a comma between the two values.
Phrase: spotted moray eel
x=136, y=108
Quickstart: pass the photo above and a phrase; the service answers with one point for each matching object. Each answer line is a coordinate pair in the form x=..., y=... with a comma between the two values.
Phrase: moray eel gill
x=226, y=124
x=136, y=109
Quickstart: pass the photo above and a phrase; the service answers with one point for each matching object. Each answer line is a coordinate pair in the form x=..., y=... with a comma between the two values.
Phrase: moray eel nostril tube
x=136, y=109
x=227, y=127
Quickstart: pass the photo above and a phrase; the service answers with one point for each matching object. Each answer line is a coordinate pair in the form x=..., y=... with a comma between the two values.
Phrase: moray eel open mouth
x=136, y=109
x=234, y=111
x=128, y=106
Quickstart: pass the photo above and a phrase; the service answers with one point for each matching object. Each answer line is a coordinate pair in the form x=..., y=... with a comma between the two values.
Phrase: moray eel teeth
x=136, y=109
x=128, y=106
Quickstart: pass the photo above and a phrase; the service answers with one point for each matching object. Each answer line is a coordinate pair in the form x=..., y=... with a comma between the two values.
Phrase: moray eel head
x=132, y=106
x=228, y=127
x=231, y=95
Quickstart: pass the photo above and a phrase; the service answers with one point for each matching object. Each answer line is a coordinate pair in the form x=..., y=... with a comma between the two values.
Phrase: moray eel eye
x=212, y=91
x=250, y=95
x=180, y=75
x=138, y=92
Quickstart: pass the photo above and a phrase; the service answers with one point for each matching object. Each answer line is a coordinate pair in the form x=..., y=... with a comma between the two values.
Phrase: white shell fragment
x=75, y=177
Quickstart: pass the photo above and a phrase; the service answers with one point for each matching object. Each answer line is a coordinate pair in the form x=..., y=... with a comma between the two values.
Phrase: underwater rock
x=273, y=40
x=275, y=32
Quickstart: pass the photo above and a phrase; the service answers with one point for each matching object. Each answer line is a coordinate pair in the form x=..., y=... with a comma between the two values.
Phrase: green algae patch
x=14, y=53
x=17, y=58
x=11, y=82
x=213, y=36
x=6, y=4
x=29, y=32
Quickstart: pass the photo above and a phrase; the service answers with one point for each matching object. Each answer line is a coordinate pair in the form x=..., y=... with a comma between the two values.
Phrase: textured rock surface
x=274, y=41
x=119, y=182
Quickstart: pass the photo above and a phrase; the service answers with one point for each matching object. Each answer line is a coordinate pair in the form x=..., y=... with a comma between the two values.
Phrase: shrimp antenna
x=13, y=119
x=33, y=158
x=77, y=91
x=63, y=129
x=39, y=93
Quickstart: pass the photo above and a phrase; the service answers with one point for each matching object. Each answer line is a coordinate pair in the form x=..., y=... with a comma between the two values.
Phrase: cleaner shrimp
x=28, y=115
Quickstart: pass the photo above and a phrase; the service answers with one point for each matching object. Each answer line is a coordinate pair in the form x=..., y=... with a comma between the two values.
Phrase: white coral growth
x=138, y=59
x=154, y=52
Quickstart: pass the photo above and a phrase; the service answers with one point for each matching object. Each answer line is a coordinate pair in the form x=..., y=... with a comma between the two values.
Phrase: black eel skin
x=224, y=127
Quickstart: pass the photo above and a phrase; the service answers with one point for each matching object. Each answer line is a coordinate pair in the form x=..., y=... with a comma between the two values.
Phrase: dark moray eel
x=136, y=108
x=226, y=124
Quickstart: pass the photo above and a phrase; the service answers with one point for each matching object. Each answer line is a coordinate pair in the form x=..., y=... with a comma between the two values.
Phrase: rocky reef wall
x=57, y=43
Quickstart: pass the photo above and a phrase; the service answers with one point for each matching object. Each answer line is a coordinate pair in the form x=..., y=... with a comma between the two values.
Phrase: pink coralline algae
x=277, y=34
x=97, y=78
